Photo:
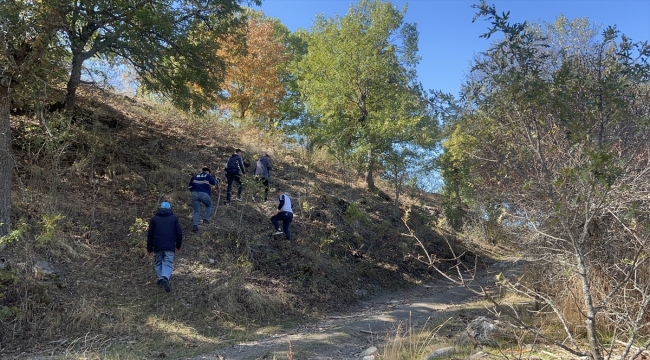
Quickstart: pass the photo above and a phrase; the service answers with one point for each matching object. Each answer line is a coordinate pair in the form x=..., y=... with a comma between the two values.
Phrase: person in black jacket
x=234, y=166
x=164, y=238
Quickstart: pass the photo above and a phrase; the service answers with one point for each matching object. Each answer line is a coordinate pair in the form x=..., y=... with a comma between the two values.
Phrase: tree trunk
x=6, y=161
x=73, y=83
x=370, y=179
x=590, y=309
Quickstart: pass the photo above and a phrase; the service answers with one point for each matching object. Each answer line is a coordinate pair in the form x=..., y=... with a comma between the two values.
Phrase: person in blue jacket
x=284, y=214
x=200, y=186
x=234, y=169
x=164, y=238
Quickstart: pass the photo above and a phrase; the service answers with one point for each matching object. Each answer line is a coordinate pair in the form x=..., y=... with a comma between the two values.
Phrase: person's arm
x=281, y=203
x=241, y=165
x=189, y=186
x=212, y=180
x=150, y=237
x=179, y=235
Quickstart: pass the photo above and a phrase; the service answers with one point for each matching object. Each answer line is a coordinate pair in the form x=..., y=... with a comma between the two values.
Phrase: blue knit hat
x=165, y=205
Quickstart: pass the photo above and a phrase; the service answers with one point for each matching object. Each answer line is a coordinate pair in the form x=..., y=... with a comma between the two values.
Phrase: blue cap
x=165, y=205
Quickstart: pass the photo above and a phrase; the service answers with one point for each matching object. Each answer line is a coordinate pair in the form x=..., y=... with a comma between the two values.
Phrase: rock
x=368, y=353
x=362, y=292
x=441, y=353
x=481, y=331
x=42, y=267
x=3, y=264
x=211, y=261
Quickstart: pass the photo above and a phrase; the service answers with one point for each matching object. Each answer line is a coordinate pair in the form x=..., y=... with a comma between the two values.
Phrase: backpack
x=259, y=168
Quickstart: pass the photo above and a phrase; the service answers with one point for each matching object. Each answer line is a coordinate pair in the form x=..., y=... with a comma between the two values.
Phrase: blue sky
x=449, y=39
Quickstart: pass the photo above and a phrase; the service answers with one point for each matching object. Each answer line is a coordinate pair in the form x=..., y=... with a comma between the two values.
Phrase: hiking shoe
x=195, y=228
x=228, y=203
x=278, y=232
x=206, y=221
x=165, y=284
x=159, y=282
x=238, y=199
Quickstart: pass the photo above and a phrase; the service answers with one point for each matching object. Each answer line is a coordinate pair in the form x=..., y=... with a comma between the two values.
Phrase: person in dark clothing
x=200, y=186
x=164, y=238
x=263, y=173
x=234, y=169
x=284, y=214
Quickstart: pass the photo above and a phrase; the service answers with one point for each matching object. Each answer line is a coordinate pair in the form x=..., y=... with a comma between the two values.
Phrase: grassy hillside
x=76, y=279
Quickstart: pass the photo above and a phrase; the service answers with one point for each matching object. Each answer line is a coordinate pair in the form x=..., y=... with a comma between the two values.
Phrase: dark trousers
x=264, y=182
x=286, y=218
x=236, y=178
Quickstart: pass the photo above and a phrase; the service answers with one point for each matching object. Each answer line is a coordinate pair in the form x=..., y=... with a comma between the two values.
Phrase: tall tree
x=27, y=32
x=254, y=75
x=554, y=133
x=172, y=45
x=359, y=76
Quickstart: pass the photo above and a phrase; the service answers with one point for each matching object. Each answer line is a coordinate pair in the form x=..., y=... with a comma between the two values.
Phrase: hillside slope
x=76, y=279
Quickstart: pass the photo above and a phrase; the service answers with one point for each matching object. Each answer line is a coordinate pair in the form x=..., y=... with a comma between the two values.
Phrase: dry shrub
x=407, y=342
x=238, y=299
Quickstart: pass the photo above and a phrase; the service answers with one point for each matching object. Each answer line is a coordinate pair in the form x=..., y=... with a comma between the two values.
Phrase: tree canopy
x=551, y=143
x=171, y=45
x=358, y=80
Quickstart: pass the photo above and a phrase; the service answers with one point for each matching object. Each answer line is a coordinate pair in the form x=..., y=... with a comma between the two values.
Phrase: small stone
x=441, y=353
x=368, y=352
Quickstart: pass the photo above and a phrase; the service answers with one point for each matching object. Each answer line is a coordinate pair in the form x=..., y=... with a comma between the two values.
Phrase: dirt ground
x=346, y=335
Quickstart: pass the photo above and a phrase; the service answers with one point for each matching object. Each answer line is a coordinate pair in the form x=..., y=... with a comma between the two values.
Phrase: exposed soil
x=371, y=323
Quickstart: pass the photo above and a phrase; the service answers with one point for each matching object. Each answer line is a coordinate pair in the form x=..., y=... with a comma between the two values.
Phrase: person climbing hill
x=164, y=238
x=263, y=173
x=234, y=169
x=284, y=214
x=200, y=186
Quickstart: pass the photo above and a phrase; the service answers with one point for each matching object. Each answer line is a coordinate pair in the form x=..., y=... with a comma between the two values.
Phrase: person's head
x=165, y=205
x=238, y=151
x=279, y=191
x=206, y=170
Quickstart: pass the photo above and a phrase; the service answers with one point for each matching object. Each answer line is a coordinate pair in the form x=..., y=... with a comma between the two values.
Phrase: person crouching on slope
x=164, y=238
x=200, y=188
x=284, y=213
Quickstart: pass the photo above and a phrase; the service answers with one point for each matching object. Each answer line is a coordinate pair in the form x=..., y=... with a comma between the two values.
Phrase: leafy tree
x=552, y=140
x=171, y=45
x=359, y=78
x=254, y=75
x=27, y=34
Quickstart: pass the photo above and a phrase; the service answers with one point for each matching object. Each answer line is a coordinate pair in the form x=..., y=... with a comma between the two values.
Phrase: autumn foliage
x=253, y=84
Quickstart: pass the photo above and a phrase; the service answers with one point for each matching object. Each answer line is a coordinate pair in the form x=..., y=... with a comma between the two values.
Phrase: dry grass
x=85, y=194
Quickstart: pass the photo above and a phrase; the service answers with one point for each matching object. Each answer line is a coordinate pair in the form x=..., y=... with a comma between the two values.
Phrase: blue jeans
x=198, y=198
x=286, y=218
x=164, y=264
x=236, y=178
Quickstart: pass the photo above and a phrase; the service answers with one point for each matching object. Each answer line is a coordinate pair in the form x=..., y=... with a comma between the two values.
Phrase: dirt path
x=345, y=336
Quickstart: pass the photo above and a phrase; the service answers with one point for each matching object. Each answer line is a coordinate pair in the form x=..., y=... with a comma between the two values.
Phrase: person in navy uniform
x=201, y=186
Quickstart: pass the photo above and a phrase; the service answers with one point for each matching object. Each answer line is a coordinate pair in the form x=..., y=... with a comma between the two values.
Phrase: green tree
x=552, y=141
x=171, y=45
x=359, y=77
x=27, y=34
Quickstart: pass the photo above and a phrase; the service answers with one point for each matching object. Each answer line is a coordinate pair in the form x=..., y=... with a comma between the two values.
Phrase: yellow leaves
x=253, y=79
